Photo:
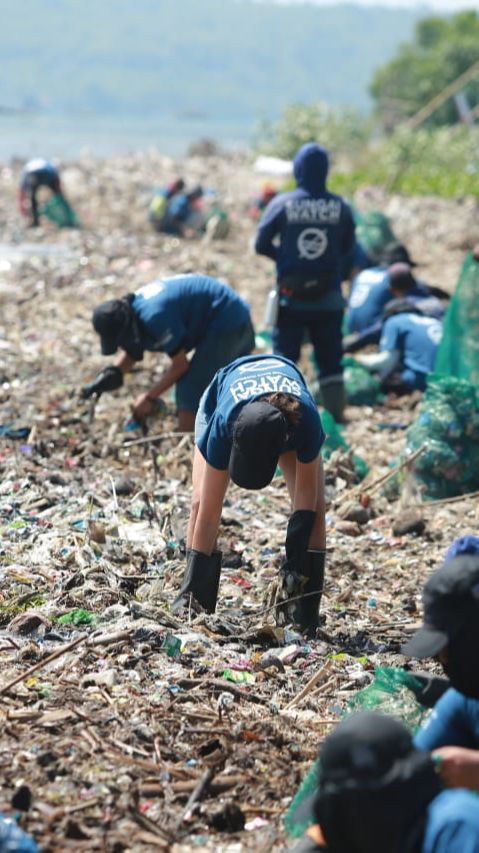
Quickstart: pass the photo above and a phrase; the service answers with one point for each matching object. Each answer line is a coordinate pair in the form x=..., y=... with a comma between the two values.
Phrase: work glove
x=109, y=379
x=292, y=577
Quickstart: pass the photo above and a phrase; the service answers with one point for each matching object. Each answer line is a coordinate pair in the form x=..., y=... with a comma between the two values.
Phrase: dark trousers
x=325, y=333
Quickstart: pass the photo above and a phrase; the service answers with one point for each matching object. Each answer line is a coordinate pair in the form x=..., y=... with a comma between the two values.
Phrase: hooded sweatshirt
x=308, y=231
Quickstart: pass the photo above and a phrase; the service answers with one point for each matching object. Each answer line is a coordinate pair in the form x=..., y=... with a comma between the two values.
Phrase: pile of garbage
x=124, y=728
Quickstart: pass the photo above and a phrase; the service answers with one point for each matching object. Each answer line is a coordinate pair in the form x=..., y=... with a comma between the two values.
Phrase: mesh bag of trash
x=458, y=353
x=374, y=232
x=447, y=428
x=362, y=387
x=334, y=435
x=393, y=691
x=60, y=212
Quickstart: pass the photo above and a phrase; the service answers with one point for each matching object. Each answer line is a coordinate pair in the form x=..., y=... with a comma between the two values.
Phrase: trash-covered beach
x=123, y=728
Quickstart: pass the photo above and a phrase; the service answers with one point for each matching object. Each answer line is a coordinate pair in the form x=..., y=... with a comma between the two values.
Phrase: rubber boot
x=201, y=580
x=306, y=613
x=333, y=399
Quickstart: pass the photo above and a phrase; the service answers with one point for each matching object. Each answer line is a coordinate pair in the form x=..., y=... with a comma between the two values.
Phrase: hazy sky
x=439, y=5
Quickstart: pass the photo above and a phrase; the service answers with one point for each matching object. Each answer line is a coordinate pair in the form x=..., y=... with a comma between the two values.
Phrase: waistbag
x=306, y=287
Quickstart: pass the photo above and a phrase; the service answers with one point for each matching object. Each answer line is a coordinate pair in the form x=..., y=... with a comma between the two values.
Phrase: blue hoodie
x=315, y=227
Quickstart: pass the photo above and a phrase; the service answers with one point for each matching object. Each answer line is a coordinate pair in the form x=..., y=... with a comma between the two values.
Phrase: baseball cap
x=108, y=321
x=451, y=601
x=363, y=750
x=463, y=545
x=396, y=253
x=259, y=436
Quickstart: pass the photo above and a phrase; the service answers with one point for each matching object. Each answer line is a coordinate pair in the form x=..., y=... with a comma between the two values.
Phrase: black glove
x=108, y=379
x=300, y=526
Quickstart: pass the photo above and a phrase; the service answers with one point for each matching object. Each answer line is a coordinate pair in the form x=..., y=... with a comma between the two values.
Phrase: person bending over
x=257, y=413
x=173, y=316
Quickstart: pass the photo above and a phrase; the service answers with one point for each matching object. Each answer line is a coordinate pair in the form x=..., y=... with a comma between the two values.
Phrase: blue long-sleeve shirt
x=308, y=231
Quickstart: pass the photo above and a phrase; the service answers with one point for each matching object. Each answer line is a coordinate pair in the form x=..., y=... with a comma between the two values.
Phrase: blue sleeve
x=390, y=337
x=452, y=823
x=268, y=228
x=447, y=725
x=215, y=444
x=348, y=240
x=310, y=436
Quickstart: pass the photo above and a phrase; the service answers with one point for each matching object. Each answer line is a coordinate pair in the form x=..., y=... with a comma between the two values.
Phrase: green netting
x=458, y=353
x=448, y=423
x=59, y=211
x=391, y=692
x=334, y=435
x=362, y=387
x=374, y=232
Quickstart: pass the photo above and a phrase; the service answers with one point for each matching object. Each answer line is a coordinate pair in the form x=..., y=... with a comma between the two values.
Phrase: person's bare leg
x=186, y=420
x=199, y=465
x=317, y=539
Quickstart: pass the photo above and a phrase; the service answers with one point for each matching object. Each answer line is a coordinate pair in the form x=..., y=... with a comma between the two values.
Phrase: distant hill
x=216, y=58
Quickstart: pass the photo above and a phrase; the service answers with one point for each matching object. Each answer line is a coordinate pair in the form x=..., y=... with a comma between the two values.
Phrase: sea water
x=68, y=136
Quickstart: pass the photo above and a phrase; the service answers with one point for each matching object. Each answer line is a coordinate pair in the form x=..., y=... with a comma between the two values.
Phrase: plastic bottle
x=272, y=306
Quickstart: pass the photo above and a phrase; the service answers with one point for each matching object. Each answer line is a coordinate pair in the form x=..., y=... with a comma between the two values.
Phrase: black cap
x=451, y=601
x=363, y=750
x=259, y=436
x=109, y=321
x=396, y=253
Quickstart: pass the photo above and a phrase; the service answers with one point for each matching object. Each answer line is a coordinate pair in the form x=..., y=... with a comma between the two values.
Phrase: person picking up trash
x=174, y=316
x=377, y=793
x=372, y=292
x=409, y=340
x=450, y=634
x=256, y=414
x=309, y=233
x=36, y=174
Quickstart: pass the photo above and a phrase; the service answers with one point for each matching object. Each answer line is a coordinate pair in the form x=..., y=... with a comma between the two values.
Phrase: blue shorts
x=212, y=353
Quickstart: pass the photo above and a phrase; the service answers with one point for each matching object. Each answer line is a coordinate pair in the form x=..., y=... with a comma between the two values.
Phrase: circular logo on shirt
x=312, y=243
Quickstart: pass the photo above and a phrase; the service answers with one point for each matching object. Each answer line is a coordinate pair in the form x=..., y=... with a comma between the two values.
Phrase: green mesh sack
x=391, y=692
x=448, y=424
x=458, y=353
x=334, y=435
x=58, y=211
x=374, y=232
x=362, y=387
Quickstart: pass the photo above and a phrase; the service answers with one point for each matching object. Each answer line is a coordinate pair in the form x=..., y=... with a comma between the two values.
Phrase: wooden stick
x=316, y=678
x=196, y=795
x=157, y=437
x=373, y=487
x=58, y=653
x=455, y=500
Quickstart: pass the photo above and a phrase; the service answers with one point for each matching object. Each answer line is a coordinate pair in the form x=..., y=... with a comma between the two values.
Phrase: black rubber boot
x=201, y=580
x=306, y=612
x=333, y=399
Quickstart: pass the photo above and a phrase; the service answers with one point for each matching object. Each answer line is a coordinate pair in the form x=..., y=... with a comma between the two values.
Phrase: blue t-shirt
x=452, y=824
x=454, y=721
x=247, y=379
x=415, y=337
x=370, y=292
x=179, y=312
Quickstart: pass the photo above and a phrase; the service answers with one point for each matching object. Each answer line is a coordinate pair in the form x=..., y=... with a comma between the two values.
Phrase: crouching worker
x=409, y=339
x=36, y=174
x=378, y=794
x=256, y=414
x=173, y=316
x=450, y=634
